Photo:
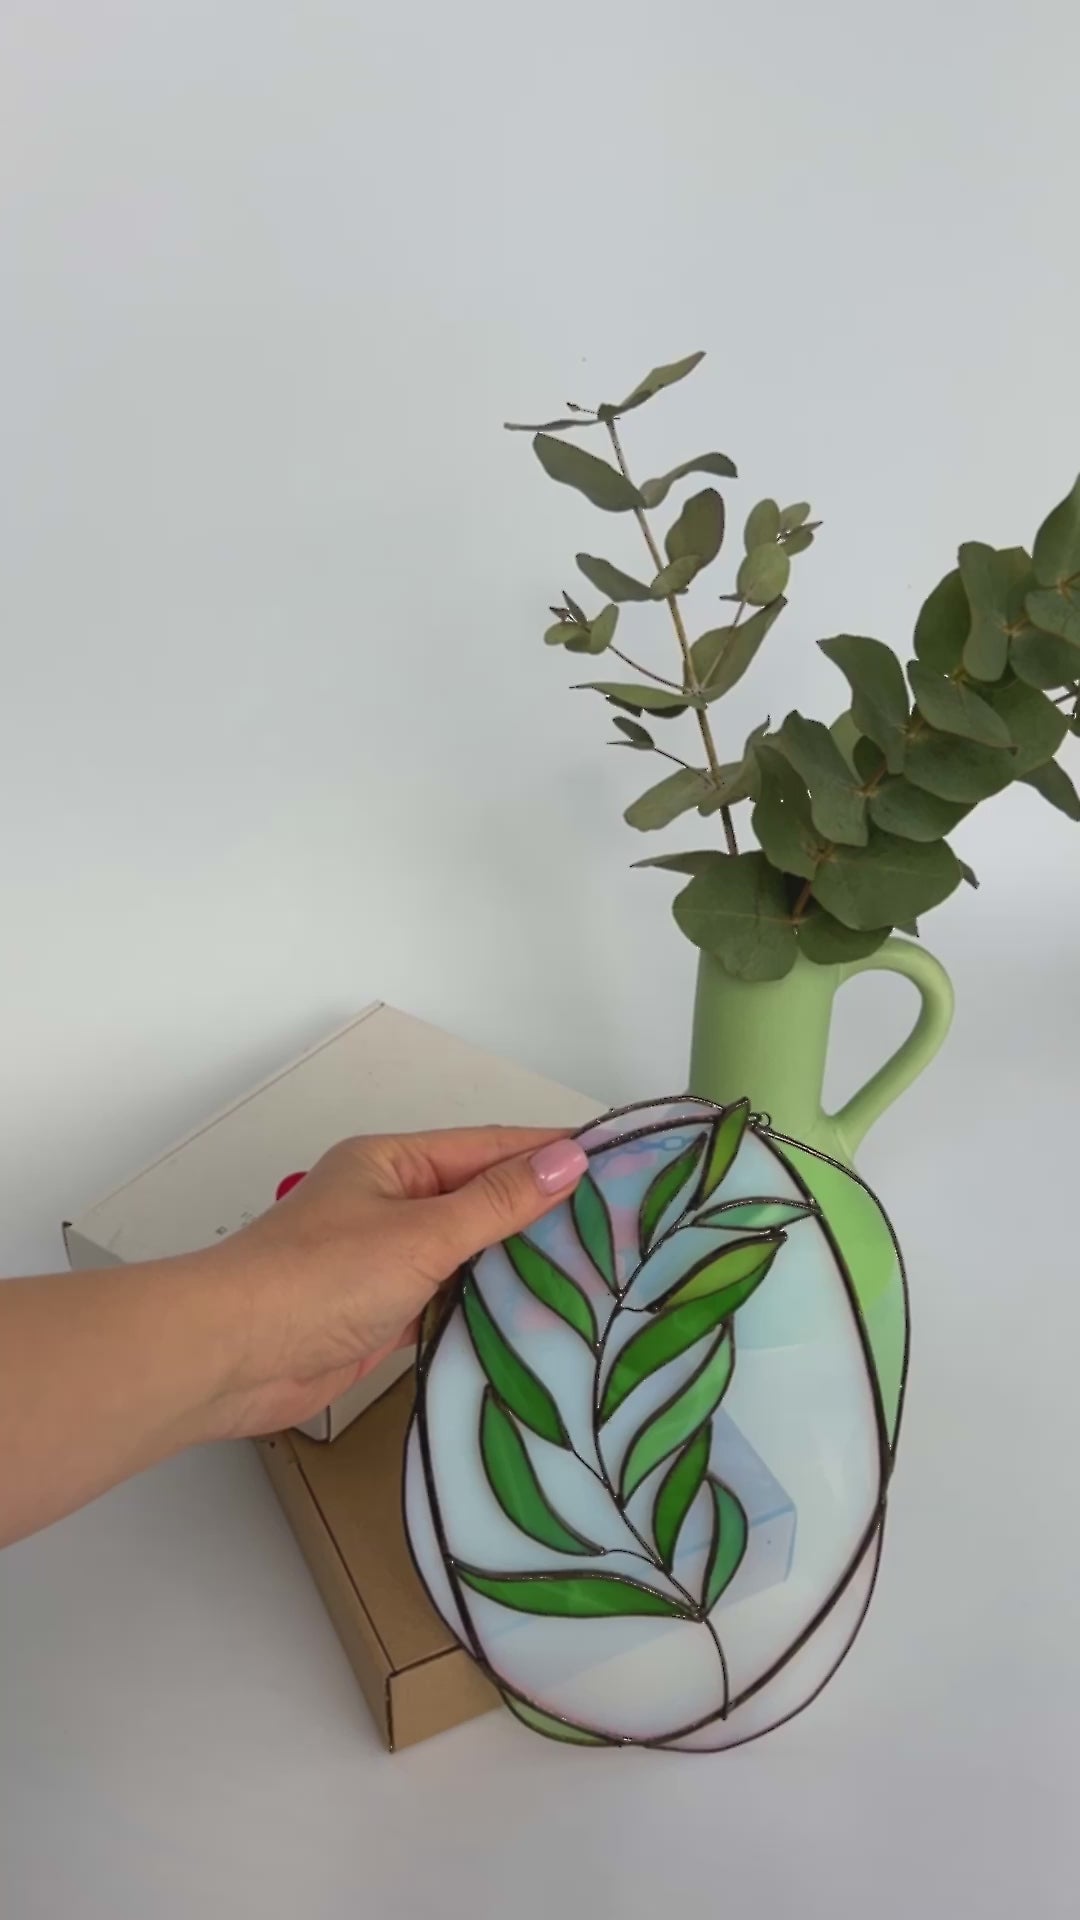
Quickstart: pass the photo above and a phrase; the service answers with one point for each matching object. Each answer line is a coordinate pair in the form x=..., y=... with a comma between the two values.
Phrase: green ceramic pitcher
x=769, y=1040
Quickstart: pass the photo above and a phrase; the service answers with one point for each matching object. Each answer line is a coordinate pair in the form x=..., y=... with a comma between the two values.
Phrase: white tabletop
x=180, y=1733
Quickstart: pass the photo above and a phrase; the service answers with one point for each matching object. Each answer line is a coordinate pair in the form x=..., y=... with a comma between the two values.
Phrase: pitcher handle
x=857, y=1116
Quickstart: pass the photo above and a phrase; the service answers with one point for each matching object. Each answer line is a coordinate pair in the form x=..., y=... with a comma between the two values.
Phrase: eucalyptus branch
x=647, y=671
x=689, y=677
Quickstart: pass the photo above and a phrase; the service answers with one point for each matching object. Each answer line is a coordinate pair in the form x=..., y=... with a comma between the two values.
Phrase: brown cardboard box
x=343, y=1503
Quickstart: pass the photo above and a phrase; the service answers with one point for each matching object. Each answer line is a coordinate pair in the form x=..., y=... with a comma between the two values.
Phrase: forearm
x=101, y=1375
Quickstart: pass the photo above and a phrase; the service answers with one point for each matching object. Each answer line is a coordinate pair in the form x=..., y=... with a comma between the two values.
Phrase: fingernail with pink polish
x=559, y=1167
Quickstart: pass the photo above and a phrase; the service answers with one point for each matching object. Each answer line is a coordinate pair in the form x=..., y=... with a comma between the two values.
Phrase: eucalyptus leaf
x=954, y=708
x=1054, y=784
x=899, y=807
x=1035, y=725
x=995, y=581
x=663, y=803
x=675, y=577
x=782, y=818
x=698, y=532
x=558, y=633
x=798, y=541
x=566, y=425
x=721, y=656
x=739, y=912
x=763, y=575
x=698, y=860
x=576, y=613
x=600, y=482
x=837, y=807
x=739, y=779
x=846, y=734
x=967, y=875
x=637, y=736
x=762, y=525
x=1056, y=553
x=1057, y=610
x=889, y=879
x=655, y=492
x=1043, y=659
x=653, y=383
x=643, y=698
x=943, y=625
x=602, y=629
x=611, y=580
x=956, y=769
x=793, y=517
x=879, y=704
x=827, y=942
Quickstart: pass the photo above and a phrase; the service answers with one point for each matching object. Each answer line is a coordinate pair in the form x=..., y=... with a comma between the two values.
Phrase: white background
x=277, y=735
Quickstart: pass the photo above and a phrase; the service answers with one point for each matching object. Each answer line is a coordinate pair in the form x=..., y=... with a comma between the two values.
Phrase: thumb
x=508, y=1196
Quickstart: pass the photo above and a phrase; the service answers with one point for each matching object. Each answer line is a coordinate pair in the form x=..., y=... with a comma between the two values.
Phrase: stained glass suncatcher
x=645, y=1479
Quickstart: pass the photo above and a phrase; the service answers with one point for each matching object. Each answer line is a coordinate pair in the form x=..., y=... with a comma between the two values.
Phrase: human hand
x=336, y=1275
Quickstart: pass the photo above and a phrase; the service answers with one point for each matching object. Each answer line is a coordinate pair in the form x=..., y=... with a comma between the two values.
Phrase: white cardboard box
x=383, y=1073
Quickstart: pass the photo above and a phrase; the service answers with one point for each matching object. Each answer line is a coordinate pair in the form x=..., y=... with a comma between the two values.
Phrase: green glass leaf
x=721, y=656
x=1056, y=553
x=782, y=817
x=739, y=912
x=696, y=861
x=643, y=698
x=515, y=1485
x=793, y=517
x=1043, y=659
x=887, y=880
x=827, y=942
x=899, y=807
x=1034, y=724
x=667, y=1185
x=763, y=575
x=610, y=580
x=662, y=1338
x=578, y=1596
x=698, y=532
x=681, y=1417
x=1057, y=610
x=727, y=1137
x=637, y=736
x=546, y=1723
x=1054, y=784
x=762, y=527
x=653, y=383
x=943, y=625
x=757, y=1214
x=995, y=582
x=879, y=704
x=516, y=1385
x=677, y=1492
x=953, y=708
x=592, y=1223
x=956, y=769
x=837, y=807
x=730, y=1533
x=797, y=542
x=675, y=577
x=662, y=804
x=552, y=1286
x=655, y=492
x=601, y=483
x=728, y=1277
